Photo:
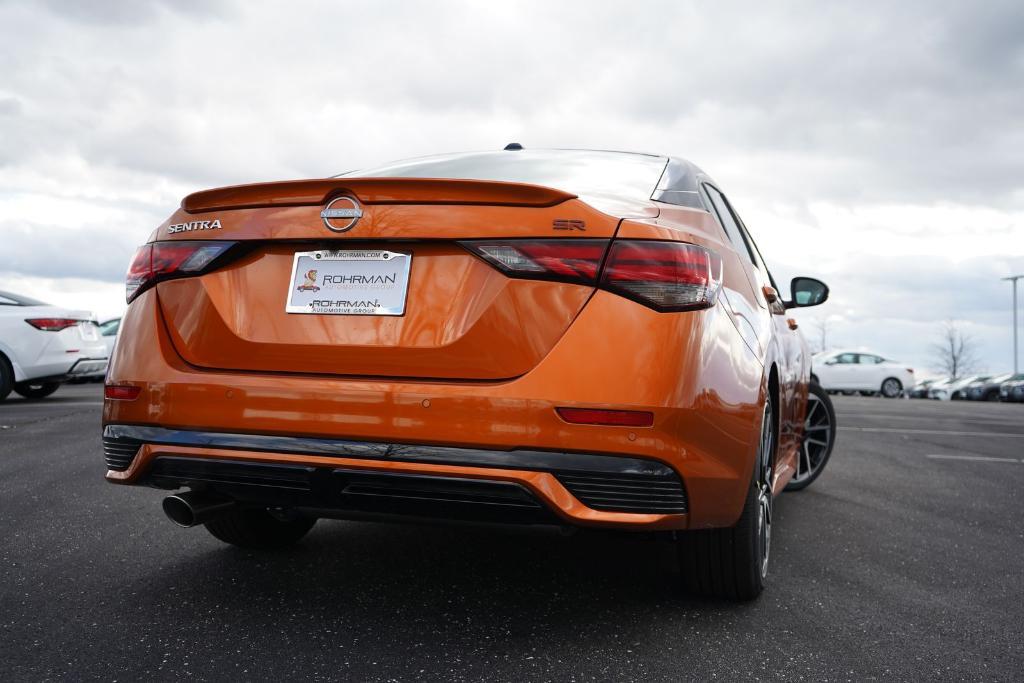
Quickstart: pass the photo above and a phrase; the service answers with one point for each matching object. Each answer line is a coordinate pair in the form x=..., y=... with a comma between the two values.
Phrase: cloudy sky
x=879, y=146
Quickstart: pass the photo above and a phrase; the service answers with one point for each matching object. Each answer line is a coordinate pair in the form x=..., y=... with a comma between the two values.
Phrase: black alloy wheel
x=819, y=438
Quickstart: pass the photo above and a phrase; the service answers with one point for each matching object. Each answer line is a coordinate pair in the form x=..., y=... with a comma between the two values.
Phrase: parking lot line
x=930, y=431
x=986, y=458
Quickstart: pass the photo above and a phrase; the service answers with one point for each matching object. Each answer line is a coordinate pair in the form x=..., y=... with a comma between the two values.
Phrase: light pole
x=1013, y=280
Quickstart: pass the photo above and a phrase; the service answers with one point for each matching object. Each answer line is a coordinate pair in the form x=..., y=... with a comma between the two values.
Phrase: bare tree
x=822, y=327
x=955, y=352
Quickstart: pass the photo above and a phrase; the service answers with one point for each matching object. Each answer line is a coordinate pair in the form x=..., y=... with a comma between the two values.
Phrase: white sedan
x=861, y=371
x=42, y=346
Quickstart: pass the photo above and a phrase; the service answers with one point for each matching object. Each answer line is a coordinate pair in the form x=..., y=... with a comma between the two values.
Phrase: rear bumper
x=704, y=397
x=84, y=367
x=340, y=478
x=88, y=366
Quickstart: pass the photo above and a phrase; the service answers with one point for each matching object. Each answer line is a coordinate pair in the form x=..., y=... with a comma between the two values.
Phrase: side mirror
x=806, y=291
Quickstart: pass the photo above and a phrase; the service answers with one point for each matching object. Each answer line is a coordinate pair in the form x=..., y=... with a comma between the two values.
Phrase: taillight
x=52, y=324
x=576, y=261
x=167, y=260
x=666, y=276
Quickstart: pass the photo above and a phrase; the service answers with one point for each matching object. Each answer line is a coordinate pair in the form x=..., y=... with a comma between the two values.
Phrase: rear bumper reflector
x=619, y=418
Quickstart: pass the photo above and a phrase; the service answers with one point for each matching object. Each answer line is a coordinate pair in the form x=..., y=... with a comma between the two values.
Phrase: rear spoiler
x=374, y=191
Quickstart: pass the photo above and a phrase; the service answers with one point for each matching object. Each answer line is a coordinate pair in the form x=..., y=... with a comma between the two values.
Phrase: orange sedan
x=567, y=337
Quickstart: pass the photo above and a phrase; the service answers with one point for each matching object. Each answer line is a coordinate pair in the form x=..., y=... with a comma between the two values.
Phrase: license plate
x=368, y=282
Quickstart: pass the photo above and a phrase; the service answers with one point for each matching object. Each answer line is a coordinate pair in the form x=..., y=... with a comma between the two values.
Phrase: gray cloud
x=914, y=100
x=96, y=254
x=136, y=12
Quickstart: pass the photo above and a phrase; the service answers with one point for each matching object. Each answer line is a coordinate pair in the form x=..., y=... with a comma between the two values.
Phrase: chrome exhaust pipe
x=192, y=508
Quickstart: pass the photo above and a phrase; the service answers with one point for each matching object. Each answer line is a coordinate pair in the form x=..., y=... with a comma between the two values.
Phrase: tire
x=36, y=390
x=991, y=396
x=257, y=529
x=732, y=563
x=6, y=377
x=819, y=438
x=891, y=387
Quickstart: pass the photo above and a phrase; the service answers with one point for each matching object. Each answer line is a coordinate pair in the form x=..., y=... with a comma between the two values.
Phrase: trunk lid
x=462, y=319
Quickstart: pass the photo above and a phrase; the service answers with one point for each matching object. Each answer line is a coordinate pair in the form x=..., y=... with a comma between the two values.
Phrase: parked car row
x=1007, y=387
x=866, y=372
x=43, y=346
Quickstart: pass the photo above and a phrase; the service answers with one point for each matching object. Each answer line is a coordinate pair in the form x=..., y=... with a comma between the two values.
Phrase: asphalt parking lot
x=905, y=559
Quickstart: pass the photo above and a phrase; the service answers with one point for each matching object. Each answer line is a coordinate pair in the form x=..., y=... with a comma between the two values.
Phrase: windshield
x=582, y=172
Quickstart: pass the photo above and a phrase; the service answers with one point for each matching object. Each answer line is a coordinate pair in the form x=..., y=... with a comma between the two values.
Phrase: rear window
x=9, y=299
x=582, y=172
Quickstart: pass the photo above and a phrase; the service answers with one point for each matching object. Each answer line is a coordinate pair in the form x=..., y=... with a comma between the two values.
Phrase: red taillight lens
x=576, y=261
x=598, y=416
x=121, y=392
x=139, y=272
x=165, y=260
x=52, y=324
x=666, y=276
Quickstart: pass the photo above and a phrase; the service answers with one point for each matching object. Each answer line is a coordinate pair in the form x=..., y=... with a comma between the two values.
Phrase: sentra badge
x=194, y=225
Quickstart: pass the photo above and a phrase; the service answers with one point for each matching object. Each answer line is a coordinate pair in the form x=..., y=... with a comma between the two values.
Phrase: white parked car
x=42, y=346
x=861, y=371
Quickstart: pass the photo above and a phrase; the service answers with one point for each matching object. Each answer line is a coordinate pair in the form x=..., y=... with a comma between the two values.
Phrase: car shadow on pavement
x=437, y=583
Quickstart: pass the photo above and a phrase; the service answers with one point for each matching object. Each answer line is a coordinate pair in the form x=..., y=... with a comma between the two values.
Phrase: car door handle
x=792, y=323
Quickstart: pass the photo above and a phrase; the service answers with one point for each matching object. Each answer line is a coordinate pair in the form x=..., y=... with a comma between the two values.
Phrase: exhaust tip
x=179, y=511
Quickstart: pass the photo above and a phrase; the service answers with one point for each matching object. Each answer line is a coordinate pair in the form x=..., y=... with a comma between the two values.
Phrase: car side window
x=4, y=301
x=727, y=221
x=755, y=252
x=846, y=358
x=738, y=232
x=869, y=359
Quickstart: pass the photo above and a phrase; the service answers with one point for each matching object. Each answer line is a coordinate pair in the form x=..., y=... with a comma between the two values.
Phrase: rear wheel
x=732, y=563
x=819, y=437
x=6, y=378
x=891, y=388
x=258, y=529
x=36, y=389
